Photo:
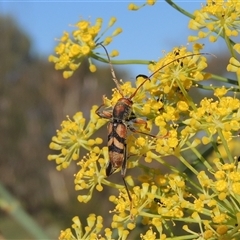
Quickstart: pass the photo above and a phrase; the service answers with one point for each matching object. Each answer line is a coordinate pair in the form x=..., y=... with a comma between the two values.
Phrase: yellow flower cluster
x=218, y=18
x=150, y=235
x=74, y=135
x=219, y=195
x=217, y=116
x=155, y=206
x=92, y=173
x=174, y=78
x=93, y=230
x=71, y=50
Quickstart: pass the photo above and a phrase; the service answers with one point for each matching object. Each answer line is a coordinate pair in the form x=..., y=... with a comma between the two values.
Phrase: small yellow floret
x=114, y=53
x=141, y=141
x=182, y=106
x=133, y=7
x=117, y=31
x=206, y=140
x=99, y=187
x=151, y=2
x=222, y=229
x=85, y=50
x=107, y=40
x=212, y=39
x=67, y=74
x=92, y=68
x=112, y=21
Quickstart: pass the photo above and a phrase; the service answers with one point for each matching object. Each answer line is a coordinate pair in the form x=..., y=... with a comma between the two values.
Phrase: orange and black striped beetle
x=118, y=124
x=117, y=128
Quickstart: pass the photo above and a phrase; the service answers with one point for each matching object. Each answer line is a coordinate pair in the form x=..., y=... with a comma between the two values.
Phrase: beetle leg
x=124, y=164
x=123, y=172
x=136, y=131
x=140, y=121
x=103, y=114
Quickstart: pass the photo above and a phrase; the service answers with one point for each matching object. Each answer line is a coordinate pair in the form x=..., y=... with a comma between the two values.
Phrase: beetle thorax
x=122, y=109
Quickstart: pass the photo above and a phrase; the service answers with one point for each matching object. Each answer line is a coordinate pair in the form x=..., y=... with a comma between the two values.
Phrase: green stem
x=214, y=144
x=121, y=62
x=225, y=144
x=185, y=237
x=196, y=162
x=12, y=207
x=186, y=95
x=200, y=157
x=181, y=10
x=200, y=86
x=224, y=79
x=229, y=45
x=185, y=220
x=164, y=163
x=110, y=184
x=189, y=166
x=192, y=182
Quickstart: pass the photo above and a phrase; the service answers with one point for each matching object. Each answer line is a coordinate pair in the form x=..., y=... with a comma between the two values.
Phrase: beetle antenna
x=149, y=77
x=114, y=78
x=190, y=55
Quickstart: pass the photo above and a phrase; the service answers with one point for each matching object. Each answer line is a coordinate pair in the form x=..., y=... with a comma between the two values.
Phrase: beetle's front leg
x=103, y=114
